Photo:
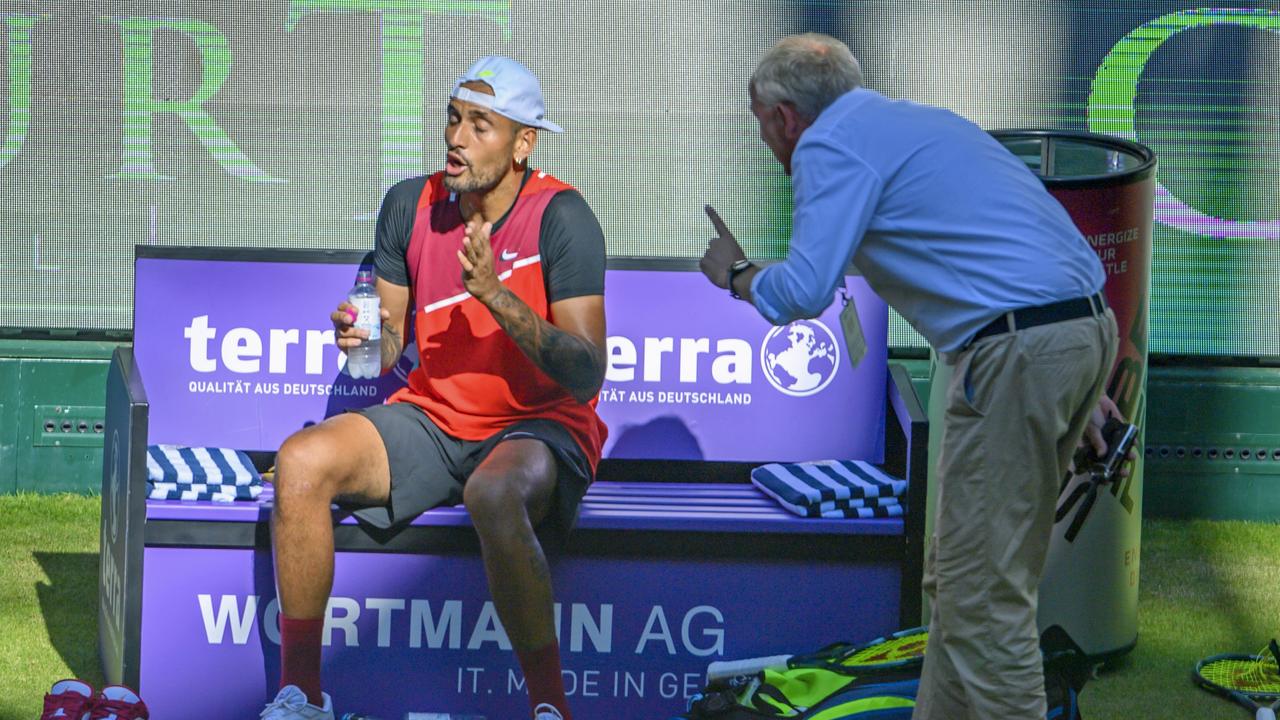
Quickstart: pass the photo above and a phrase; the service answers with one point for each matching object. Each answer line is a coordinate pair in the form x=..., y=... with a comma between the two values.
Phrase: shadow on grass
x=1230, y=564
x=69, y=606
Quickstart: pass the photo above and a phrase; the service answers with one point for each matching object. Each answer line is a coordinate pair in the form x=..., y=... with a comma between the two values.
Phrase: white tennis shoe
x=291, y=704
x=546, y=712
x=68, y=700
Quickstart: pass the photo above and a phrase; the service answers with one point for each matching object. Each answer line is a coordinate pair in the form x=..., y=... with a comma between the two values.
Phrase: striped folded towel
x=216, y=493
x=855, y=508
x=200, y=466
x=197, y=473
x=838, y=511
x=831, y=488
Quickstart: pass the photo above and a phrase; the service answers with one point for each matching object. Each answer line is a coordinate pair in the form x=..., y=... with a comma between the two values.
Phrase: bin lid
x=1063, y=158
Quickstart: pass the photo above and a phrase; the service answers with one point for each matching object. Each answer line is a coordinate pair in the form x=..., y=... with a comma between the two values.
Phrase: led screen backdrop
x=279, y=123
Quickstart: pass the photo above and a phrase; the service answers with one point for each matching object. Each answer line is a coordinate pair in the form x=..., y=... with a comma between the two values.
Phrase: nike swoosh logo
x=509, y=255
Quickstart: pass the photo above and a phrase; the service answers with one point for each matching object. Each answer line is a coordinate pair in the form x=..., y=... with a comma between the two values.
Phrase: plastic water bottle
x=365, y=360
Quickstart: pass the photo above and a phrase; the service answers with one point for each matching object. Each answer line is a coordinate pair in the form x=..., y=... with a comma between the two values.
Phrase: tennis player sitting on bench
x=505, y=267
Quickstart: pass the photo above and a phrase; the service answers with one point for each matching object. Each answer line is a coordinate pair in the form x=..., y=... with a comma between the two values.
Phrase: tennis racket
x=901, y=650
x=1251, y=680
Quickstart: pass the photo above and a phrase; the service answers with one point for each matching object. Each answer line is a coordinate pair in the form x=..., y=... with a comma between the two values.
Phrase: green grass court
x=1206, y=587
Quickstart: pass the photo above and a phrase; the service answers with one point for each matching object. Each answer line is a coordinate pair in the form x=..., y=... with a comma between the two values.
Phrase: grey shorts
x=429, y=467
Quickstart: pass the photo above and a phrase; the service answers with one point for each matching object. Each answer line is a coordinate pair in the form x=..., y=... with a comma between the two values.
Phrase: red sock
x=300, y=655
x=542, y=677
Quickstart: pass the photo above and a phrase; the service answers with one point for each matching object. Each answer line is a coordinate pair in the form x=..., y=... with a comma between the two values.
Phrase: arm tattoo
x=392, y=346
x=574, y=362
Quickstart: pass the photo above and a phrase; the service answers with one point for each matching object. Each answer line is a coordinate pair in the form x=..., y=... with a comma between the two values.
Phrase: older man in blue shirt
x=964, y=242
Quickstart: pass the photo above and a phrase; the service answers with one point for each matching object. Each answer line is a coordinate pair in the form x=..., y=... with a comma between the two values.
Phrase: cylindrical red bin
x=1089, y=592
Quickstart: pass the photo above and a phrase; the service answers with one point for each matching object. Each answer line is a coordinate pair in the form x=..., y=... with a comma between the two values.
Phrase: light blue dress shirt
x=945, y=224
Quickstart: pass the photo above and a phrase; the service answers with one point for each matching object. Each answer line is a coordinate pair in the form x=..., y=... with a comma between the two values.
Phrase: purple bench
x=657, y=580
x=675, y=562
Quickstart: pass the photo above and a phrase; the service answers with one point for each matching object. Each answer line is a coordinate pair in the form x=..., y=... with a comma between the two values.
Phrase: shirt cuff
x=759, y=297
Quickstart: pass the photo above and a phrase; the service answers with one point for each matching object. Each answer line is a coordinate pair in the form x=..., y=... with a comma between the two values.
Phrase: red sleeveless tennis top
x=473, y=380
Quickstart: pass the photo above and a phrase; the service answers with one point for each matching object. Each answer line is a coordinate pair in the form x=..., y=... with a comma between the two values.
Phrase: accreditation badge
x=854, y=341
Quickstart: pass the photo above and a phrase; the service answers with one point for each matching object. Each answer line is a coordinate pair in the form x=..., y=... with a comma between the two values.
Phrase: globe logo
x=800, y=359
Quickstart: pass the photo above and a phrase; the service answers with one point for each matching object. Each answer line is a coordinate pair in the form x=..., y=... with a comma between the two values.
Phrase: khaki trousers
x=1017, y=405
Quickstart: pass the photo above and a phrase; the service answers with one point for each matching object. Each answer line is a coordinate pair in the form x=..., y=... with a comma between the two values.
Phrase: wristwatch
x=734, y=269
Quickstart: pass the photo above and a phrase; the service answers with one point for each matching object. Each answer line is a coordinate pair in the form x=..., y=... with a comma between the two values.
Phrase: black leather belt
x=1024, y=318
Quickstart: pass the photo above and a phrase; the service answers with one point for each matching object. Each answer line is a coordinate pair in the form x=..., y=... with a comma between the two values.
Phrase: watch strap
x=734, y=270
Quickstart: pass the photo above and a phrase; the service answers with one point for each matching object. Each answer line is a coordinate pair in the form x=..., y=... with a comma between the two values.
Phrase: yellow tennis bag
x=873, y=681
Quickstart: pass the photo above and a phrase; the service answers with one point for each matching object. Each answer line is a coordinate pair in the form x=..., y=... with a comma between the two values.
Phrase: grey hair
x=808, y=71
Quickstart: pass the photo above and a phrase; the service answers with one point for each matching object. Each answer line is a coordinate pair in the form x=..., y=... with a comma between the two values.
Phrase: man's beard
x=474, y=181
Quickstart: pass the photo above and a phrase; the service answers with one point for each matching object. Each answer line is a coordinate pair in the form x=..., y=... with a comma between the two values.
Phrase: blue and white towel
x=832, y=488
x=216, y=493
x=197, y=473
x=859, y=508
x=885, y=511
